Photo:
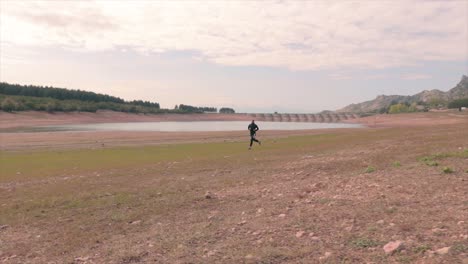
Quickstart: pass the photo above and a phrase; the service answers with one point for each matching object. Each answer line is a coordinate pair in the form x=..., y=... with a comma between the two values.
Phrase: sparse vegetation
x=396, y=164
x=364, y=242
x=113, y=202
x=429, y=161
x=370, y=169
x=421, y=249
x=447, y=170
x=459, y=248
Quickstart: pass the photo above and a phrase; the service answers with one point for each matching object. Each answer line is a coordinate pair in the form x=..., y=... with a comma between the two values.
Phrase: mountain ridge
x=427, y=97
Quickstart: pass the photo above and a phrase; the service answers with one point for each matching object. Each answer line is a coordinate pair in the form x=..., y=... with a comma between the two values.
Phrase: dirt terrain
x=34, y=118
x=395, y=192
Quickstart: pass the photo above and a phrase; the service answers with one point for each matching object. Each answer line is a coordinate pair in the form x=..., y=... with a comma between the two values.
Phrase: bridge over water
x=312, y=118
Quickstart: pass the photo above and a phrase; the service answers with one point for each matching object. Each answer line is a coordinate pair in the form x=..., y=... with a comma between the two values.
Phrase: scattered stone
x=211, y=253
x=260, y=210
x=82, y=259
x=242, y=223
x=208, y=195
x=3, y=227
x=326, y=256
x=392, y=247
x=380, y=222
x=282, y=215
x=438, y=230
x=442, y=251
x=311, y=234
x=135, y=222
x=249, y=256
x=300, y=234
x=460, y=223
x=315, y=238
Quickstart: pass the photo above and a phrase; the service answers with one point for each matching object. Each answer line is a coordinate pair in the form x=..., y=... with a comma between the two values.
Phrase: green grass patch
x=432, y=159
x=24, y=166
x=429, y=161
x=369, y=169
x=447, y=170
x=421, y=249
x=459, y=248
x=396, y=164
x=364, y=243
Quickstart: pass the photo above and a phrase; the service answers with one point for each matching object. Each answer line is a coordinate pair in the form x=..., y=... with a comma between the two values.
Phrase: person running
x=253, y=128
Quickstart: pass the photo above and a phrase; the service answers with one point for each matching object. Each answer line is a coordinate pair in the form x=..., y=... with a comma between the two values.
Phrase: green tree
x=8, y=105
x=226, y=110
x=398, y=108
x=458, y=103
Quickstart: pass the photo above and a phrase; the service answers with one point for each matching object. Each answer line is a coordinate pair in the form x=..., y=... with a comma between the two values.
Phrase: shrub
x=364, y=243
x=8, y=105
x=447, y=170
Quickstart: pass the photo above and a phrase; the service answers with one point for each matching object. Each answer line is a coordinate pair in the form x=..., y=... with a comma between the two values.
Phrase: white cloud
x=296, y=35
x=415, y=76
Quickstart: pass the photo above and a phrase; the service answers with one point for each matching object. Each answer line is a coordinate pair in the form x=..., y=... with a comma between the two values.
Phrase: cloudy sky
x=286, y=56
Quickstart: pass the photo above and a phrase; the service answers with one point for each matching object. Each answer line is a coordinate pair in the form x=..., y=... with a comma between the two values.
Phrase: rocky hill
x=428, y=98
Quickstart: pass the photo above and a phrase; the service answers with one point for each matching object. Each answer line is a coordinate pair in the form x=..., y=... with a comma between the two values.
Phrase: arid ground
x=323, y=196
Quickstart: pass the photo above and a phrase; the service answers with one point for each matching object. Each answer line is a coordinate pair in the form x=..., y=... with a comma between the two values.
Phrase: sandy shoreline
x=18, y=141
x=33, y=119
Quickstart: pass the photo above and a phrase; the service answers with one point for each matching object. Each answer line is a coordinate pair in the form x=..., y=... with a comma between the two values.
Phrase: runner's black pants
x=252, y=138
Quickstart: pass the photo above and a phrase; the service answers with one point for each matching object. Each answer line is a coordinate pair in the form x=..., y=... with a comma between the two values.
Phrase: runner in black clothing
x=253, y=128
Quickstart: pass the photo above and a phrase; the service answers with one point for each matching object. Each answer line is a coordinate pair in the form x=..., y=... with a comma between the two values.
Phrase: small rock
x=393, y=246
x=2, y=227
x=326, y=256
x=211, y=253
x=315, y=238
x=249, y=256
x=460, y=223
x=438, y=230
x=442, y=251
x=282, y=215
x=208, y=195
x=300, y=234
x=135, y=222
x=242, y=223
x=380, y=222
x=82, y=259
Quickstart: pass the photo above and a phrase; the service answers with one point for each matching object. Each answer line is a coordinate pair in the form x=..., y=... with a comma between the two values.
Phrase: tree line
x=15, y=97
x=195, y=109
x=460, y=103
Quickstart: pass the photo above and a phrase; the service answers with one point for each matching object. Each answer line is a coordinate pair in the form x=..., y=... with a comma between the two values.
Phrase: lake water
x=192, y=126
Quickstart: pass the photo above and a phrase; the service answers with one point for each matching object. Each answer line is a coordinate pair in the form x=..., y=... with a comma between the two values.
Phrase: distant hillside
x=433, y=98
x=15, y=97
